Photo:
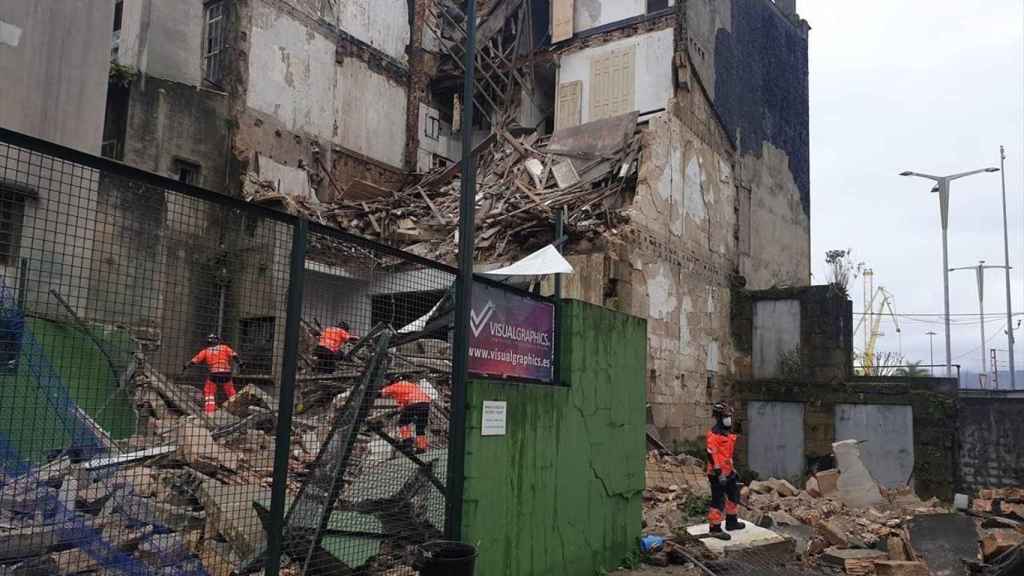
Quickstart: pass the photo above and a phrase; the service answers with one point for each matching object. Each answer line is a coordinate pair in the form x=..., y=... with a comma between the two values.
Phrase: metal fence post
x=286, y=398
x=463, y=293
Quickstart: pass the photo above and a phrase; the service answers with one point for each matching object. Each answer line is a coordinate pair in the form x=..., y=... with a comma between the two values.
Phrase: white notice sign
x=493, y=419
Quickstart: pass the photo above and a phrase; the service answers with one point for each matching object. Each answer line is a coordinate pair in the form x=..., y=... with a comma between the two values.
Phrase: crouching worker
x=328, y=350
x=219, y=359
x=414, y=410
x=725, y=488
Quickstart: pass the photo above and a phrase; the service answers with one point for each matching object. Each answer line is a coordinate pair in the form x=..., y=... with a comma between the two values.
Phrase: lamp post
x=1006, y=254
x=979, y=270
x=931, y=351
x=942, y=187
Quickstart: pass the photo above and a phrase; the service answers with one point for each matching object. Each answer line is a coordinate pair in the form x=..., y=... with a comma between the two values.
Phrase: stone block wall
x=991, y=438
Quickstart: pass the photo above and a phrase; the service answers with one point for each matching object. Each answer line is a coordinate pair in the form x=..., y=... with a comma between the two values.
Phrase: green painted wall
x=26, y=416
x=561, y=492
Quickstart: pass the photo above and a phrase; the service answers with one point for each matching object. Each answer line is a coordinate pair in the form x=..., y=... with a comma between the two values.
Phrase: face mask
x=727, y=421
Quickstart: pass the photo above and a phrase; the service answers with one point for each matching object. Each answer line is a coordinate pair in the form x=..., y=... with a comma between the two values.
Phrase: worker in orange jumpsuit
x=328, y=349
x=414, y=409
x=725, y=488
x=219, y=359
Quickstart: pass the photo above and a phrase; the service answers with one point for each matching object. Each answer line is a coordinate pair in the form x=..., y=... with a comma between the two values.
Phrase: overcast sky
x=931, y=86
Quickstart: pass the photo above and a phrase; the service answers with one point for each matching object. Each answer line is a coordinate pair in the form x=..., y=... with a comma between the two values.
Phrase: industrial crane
x=871, y=320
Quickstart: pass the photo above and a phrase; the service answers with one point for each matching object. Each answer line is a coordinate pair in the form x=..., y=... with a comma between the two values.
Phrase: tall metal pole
x=981, y=316
x=1006, y=253
x=286, y=399
x=944, y=207
x=931, y=350
x=463, y=291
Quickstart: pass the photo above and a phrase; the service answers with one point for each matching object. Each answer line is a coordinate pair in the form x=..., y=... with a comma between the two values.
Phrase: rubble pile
x=588, y=171
x=832, y=534
x=189, y=493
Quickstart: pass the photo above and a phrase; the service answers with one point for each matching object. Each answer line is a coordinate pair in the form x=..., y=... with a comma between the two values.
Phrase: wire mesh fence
x=169, y=358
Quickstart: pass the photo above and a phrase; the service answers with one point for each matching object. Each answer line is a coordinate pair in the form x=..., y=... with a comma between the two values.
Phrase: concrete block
x=997, y=541
x=857, y=488
x=944, y=542
x=828, y=482
x=750, y=538
x=852, y=560
x=230, y=513
x=900, y=568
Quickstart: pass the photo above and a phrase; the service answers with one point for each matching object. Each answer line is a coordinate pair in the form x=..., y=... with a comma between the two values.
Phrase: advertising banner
x=511, y=336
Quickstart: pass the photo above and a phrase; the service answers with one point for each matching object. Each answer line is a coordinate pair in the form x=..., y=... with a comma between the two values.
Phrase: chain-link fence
x=182, y=374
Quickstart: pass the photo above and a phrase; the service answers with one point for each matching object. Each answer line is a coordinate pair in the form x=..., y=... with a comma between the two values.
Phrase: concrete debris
x=996, y=542
x=853, y=561
x=945, y=542
x=522, y=181
x=856, y=486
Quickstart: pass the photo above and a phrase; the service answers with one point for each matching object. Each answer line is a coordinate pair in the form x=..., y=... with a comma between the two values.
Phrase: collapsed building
x=672, y=135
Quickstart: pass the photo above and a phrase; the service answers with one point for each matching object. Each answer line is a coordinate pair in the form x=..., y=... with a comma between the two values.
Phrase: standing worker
x=725, y=488
x=218, y=359
x=414, y=408
x=328, y=349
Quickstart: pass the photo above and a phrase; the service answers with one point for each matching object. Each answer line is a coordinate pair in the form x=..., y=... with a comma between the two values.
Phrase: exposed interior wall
x=561, y=492
x=991, y=442
x=370, y=113
x=751, y=59
x=775, y=439
x=932, y=402
x=887, y=431
x=312, y=88
x=653, y=64
x=589, y=14
x=163, y=39
x=54, y=58
x=383, y=24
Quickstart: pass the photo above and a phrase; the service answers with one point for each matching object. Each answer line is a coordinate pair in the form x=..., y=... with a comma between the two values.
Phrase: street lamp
x=942, y=187
x=979, y=270
x=931, y=350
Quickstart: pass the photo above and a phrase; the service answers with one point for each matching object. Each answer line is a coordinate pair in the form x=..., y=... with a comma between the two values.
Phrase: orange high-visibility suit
x=725, y=490
x=328, y=349
x=218, y=363
x=414, y=406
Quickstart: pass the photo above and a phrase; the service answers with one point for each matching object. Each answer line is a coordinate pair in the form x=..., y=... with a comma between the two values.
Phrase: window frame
x=214, y=57
x=17, y=199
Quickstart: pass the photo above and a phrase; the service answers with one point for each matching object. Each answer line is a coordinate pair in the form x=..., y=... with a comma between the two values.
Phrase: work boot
x=731, y=523
x=406, y=445
x=715, y=531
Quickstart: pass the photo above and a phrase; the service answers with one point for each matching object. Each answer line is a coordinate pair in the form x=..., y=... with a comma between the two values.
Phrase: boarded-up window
x=567, y=113
x=561, y=20
x=612, y=78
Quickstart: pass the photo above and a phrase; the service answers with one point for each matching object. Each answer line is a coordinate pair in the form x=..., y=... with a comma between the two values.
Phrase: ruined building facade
x=341, y=100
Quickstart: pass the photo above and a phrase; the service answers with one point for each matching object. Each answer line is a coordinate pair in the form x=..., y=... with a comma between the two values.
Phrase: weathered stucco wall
x=991, y=434
x=653, y=78
x=54, y=58
x=385, y=26
x=163, y=39
x=370, y=113
x=751, y=59
x=775, y=439
x=561, y=492
x=292, y=74
x=169, y=121
x=681, y=255
x=887, y=431
x=589, y=14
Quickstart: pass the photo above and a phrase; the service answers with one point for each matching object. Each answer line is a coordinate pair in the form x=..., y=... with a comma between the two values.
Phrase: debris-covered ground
x=190, y=493
x=836, y=525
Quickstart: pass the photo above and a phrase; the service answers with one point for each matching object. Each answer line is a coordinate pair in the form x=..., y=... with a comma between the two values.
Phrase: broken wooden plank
x=139, y=455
